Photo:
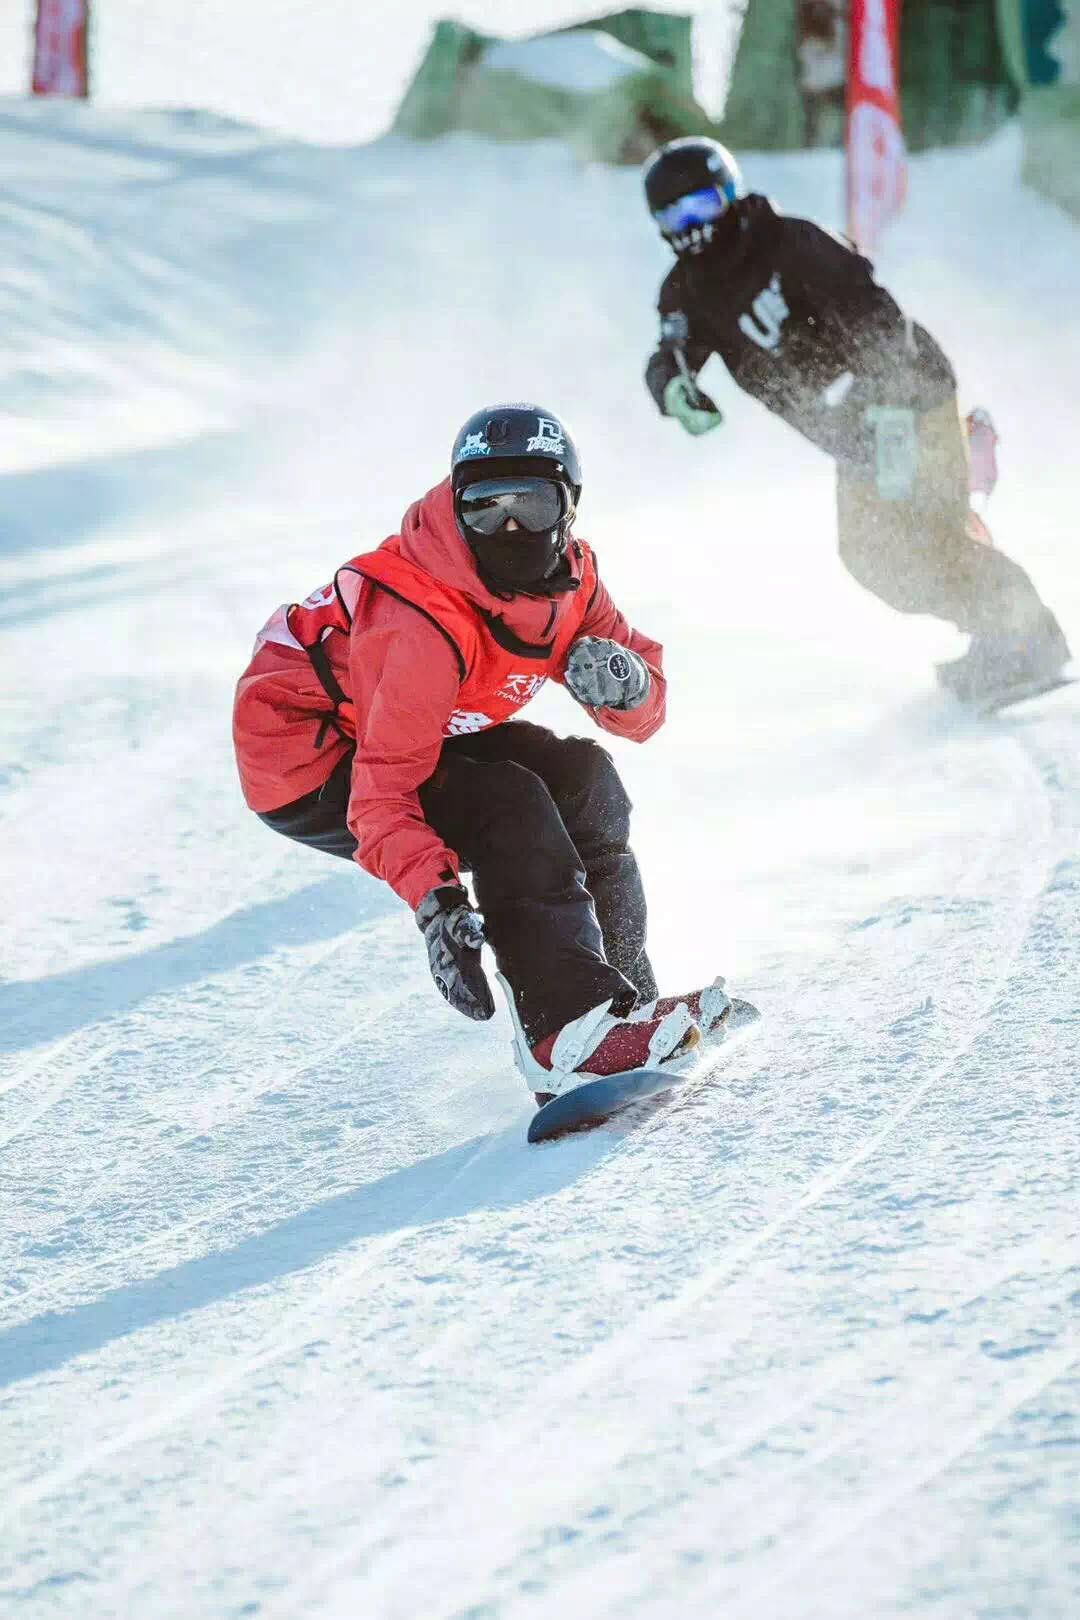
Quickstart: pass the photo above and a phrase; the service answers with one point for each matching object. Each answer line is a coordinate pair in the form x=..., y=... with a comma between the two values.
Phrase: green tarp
x=613, y=86
x=1051, y=120
x=956, y=82
x=1051, y=109
x=1044, y=22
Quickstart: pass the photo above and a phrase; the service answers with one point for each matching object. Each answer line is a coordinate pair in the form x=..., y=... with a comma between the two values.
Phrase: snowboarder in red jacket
x=378, y=721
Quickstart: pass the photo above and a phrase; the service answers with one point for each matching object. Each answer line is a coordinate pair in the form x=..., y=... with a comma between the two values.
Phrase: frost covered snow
x=293, y=1321
x=584, y=61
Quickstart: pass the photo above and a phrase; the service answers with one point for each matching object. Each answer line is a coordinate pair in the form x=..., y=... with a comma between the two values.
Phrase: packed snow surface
x=294, y=1322
x=585, y=61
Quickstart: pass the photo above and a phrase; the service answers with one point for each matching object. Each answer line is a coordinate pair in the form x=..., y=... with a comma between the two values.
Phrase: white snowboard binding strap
x=715, y=1004
x=578, y=1039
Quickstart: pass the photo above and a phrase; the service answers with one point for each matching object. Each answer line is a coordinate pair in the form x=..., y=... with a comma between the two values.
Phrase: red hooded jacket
x=421, y=651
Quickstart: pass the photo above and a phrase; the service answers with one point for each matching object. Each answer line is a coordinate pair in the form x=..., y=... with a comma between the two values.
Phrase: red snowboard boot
x=598, y=1043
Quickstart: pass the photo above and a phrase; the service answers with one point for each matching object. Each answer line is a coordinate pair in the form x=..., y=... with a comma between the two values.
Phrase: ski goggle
x=695, y=209
x=535, y=504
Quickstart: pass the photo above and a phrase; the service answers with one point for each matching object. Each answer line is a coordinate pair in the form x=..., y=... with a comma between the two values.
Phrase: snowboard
x=994, y=702
x=597, y=1100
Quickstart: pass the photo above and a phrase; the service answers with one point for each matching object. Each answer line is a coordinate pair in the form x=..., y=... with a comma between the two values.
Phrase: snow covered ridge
x=585, y=61
x=292, y=1321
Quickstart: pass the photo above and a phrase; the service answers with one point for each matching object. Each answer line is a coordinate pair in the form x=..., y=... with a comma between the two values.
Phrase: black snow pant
x=542, y=823
x=917, y=555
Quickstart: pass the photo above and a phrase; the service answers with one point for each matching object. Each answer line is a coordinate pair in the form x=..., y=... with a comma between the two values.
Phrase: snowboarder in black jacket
x=795, y=314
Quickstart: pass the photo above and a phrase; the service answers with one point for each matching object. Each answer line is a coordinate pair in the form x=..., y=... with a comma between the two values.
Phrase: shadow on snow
x=40, y=1010
x=504, y=1174
x=62, y=505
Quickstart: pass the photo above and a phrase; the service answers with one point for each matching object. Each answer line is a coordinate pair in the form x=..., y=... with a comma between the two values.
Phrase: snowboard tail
x=993, y=702
x=597, y=1100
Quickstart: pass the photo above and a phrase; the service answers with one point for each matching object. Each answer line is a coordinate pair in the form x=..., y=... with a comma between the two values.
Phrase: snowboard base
x=596, y=1100
x=993, y=703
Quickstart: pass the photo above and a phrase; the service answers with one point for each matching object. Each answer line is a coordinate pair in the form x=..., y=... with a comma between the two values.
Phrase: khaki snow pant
x=918, y=554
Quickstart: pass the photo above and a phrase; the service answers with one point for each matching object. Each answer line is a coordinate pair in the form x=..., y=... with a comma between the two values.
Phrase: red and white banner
x=61, y=57
x=876, y=159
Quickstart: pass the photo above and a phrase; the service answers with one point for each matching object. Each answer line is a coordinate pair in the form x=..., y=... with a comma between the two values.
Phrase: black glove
x=454, y=933
x=603, y=675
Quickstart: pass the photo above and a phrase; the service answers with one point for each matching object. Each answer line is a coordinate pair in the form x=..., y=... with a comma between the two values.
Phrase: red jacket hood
x=429, y=538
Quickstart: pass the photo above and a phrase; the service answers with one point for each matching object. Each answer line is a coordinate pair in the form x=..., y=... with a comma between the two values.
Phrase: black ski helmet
x=693, y=163
x=527, y=437
x=516, y=441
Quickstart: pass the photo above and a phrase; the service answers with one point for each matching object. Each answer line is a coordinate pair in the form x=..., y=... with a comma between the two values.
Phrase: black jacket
x=795, y=314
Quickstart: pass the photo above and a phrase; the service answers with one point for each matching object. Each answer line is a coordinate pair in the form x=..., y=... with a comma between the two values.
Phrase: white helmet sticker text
x=548, y=438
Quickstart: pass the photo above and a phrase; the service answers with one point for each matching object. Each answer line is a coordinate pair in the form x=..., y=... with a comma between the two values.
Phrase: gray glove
x=454, y=933
x=603, y=675
x=686, y=402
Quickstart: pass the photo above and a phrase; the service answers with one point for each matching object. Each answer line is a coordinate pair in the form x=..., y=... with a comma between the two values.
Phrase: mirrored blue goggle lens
x=696, y=208
x=535, y=504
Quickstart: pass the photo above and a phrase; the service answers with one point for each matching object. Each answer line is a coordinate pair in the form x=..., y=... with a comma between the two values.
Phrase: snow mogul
x=795, y=314
x=378, y=721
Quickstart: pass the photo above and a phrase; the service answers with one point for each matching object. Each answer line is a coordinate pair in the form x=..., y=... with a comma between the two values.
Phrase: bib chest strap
x=330, y=684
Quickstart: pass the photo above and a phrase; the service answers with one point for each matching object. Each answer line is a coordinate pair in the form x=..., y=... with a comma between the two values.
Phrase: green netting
x=629, y=122
x=956, y=83
x=1041, y=25
x=1051, y=119
x=454, y=89
x=764, y=106
x=504, y=106
x=665, y=37
x=1011, y=24
x=429, y=105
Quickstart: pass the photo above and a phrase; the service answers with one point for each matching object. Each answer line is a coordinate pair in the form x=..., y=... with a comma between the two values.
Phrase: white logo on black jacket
x=770, y=313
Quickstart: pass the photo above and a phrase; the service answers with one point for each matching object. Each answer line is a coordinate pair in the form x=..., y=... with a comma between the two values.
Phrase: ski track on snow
x=295, y=1323
x=593, y=1367
x=288, y=983
x=663, y=1313
x=603, y=1362
x=589, y=1370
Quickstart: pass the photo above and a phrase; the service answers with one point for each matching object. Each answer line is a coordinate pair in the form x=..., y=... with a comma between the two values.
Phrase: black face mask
x=519, y=561
x=528, y=558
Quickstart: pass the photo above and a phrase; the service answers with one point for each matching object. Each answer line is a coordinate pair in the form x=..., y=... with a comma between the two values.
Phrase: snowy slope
x=293, y=1322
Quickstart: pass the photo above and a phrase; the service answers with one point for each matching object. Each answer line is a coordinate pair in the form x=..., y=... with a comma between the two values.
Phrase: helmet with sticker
x=503, y=464
x=690, y=185
x=513, y=438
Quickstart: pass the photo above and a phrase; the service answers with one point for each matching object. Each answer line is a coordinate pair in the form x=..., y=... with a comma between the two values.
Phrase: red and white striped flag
x=61, y=65
x=876, y=159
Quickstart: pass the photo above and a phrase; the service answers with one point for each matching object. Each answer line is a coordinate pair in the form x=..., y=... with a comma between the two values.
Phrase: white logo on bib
x=770, y=313
x=461, y=722
x=520, y=688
